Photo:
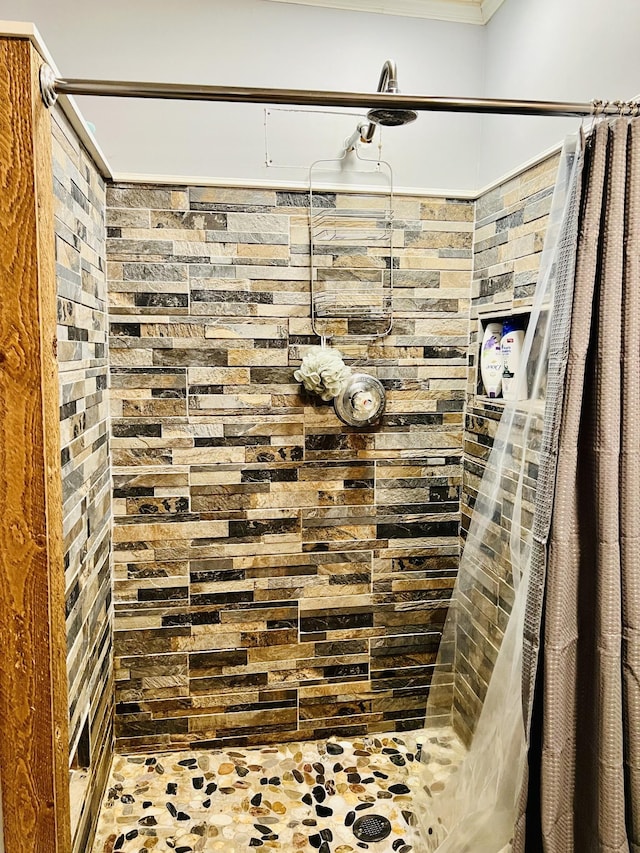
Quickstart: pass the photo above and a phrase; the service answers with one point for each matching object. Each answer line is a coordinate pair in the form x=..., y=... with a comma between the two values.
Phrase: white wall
x=258, y=43
x=554, y=50
x=539, y=49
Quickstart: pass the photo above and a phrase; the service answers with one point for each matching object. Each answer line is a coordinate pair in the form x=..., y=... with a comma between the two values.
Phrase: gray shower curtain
x=582, y=670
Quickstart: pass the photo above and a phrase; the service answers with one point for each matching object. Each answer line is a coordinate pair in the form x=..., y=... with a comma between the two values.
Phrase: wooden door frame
x=34, y=737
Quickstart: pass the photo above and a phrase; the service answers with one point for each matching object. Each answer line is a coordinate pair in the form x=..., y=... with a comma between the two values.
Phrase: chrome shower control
x=361, y=401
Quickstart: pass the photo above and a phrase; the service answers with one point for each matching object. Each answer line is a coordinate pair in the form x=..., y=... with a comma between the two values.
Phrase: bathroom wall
x=575, y=50
x=537, y=49
x=79, y=198
x=274, y=45
x=510, y=226
x=278, y=575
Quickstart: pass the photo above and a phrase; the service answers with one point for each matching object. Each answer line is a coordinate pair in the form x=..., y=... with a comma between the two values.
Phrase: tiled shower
x=271, y=592
x=243, y=509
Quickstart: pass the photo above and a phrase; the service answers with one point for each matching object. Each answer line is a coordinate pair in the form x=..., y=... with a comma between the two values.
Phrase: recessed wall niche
x=524, y=316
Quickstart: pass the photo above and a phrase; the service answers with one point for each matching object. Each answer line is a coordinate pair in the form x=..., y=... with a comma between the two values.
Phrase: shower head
x=388, y=83
x=391, y=118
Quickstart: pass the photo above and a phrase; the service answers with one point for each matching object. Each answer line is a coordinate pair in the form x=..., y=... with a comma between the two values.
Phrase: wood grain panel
x=33, y=697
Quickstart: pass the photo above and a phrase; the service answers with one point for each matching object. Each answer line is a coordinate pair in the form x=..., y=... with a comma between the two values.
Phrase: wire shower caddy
x=351, y=251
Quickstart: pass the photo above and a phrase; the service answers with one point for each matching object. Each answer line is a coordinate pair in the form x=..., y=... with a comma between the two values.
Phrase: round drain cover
x=371, y=827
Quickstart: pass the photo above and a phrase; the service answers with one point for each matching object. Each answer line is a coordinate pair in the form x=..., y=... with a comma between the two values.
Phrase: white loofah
x=323, y=372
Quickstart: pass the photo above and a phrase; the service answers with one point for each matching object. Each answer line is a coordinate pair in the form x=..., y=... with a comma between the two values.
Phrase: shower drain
x=371, y=827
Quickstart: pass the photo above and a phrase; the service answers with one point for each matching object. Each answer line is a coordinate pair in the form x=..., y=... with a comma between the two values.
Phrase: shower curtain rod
x=52, y=86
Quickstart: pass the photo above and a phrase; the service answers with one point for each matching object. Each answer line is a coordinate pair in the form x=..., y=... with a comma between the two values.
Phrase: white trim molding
x=477, y=12
x=489, y=8
x=298, y=186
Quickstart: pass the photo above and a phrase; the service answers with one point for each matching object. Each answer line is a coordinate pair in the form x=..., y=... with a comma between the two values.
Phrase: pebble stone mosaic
x=292, y=797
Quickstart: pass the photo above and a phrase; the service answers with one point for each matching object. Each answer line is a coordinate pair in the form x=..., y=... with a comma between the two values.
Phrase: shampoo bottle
x=511, y=346
x=491, y=364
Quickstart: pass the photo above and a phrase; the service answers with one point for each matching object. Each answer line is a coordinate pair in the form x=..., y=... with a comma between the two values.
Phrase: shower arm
x=388, y=82
x=52, y=86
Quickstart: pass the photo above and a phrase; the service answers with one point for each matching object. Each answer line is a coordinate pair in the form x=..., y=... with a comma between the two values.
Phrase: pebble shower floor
x=333, y=796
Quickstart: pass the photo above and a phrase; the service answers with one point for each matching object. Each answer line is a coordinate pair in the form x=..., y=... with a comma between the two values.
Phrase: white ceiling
x=461, y=11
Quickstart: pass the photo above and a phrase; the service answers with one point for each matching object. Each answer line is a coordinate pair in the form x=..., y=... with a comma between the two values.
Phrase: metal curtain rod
x=52, y=86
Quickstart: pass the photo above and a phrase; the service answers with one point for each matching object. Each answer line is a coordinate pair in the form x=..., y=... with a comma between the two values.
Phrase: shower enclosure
x=254, y=592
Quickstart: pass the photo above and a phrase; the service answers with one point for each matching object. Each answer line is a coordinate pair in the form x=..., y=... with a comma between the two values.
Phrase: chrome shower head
x=391, y=118
x=388, y=83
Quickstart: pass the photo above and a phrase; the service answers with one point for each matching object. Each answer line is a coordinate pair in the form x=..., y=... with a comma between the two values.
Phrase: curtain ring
x=596, y=107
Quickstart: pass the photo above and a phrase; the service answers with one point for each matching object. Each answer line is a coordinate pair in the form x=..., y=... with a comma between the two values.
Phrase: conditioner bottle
x=511, y=346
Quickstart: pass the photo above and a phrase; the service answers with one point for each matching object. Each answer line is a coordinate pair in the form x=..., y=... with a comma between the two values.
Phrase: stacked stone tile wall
x=278, y=575
x=79, y=197
x=511, y=222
